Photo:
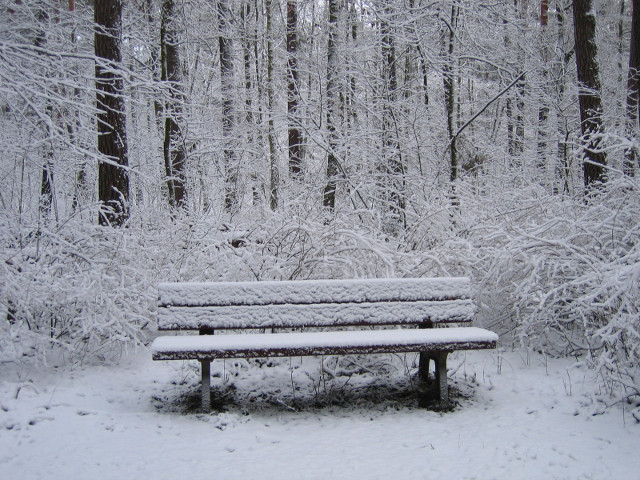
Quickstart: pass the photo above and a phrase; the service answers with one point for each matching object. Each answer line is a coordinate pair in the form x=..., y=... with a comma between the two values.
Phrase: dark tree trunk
x=544, y=109
x=226, y=74
x=333, y=166
x=46, y=183
x=633, y=89
x=391, y=168
x=174, y=143
x=274, y=172
x=450, y=99
x=589, y=96
x=293, y=92
x=113, y=177
x=46, y=189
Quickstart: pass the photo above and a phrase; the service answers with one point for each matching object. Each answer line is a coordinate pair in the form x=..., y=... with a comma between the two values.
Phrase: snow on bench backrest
x=314, y=303
x=313, y=291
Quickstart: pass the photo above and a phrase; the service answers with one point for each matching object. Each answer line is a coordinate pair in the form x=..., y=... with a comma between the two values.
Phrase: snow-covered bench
x=325, y=308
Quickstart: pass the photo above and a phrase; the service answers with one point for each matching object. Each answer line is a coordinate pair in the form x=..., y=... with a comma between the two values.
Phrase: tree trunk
x=293, y=91
x=391, y=168
x=274, y=173
x=46, y=183
x=544, y=13
x=333, y=166
x=546, y=93
x=450, y=99
x=589, y=97
x=633, y=90
x=113, y=176
x=564, y=49
x=174, y=143
x=225, y=45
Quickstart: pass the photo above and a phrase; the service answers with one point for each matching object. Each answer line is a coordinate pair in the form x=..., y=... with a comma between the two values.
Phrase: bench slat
x=315, y=315
x=313, y=291
x=209, y=347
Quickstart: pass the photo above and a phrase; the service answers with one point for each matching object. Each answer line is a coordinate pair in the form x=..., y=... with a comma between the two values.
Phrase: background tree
x=227, y=75
x=589, y=97
x=391, y=168
x=174, y=147
x=293, y=91
x=633, y=89
x=113, y=176
x=332, y=94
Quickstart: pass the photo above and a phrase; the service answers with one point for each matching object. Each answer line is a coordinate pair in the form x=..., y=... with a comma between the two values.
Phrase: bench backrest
x=314, y=303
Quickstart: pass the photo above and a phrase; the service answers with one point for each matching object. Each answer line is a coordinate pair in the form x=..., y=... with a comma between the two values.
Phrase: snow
x=411, y=339
x=315, y=315
x=518, y=417
x=314, y=303
x=313, y=291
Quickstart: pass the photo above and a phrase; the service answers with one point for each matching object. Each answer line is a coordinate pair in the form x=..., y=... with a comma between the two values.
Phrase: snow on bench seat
x=209, y=347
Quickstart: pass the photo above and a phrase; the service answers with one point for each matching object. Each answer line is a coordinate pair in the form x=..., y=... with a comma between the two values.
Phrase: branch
x=481, y=111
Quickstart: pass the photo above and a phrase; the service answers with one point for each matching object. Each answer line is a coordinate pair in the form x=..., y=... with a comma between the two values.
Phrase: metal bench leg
x=426, y=387
x=441, y=379
x=433, y=389
x=206, y=376
x=206, y=385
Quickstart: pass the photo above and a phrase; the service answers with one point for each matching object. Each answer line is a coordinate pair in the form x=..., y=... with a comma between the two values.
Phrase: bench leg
x=441, y=379
x=433, y=389
x=206, y=385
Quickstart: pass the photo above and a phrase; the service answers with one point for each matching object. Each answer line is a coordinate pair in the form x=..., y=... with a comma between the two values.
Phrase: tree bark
x=293, y=91
x=546, y=93
x=450, y=98
x=633, y=90
x=391, y=168
x=113, y=176
x=274, y=173
x=333, y=166
x=174, y=148
x=225, y=46
x=46, y=183
x=589, y=97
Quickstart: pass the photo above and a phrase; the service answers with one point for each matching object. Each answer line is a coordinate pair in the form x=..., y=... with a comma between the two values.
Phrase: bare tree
x=449, y=84
x=225, y=48
x=293, y=91
x=113, y=176
x=633, y=89
x=332, y=95
x=589, y=96
x=391, y=166
x=174, y=148
x=274, y=173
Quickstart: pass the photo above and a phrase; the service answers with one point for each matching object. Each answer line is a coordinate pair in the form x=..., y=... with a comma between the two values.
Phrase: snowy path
x=526, y=422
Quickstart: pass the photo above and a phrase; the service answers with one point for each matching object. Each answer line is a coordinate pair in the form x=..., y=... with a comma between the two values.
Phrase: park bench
x=337, y=317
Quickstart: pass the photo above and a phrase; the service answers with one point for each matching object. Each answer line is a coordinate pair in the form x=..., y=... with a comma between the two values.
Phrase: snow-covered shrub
x=562, y=275
x=77, y=286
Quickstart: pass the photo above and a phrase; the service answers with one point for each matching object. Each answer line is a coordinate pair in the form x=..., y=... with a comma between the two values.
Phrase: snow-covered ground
x=517, y=417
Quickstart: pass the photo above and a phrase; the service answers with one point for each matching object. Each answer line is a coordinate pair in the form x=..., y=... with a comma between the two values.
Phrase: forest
x=207, y=140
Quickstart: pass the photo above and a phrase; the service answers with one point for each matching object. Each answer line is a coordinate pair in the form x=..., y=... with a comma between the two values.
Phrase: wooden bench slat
x=313, y=291
x=209, y=347
x=315, y=315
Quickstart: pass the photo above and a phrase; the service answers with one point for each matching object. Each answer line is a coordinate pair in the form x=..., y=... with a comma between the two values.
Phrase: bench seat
x=210, y=347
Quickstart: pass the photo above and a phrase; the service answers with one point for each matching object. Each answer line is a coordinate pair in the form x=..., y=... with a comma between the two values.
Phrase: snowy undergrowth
x=561, y=275
x=248, y=386
x=554, y=273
